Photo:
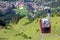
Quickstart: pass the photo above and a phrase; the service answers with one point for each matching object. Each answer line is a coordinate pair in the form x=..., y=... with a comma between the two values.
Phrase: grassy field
x=31, y=31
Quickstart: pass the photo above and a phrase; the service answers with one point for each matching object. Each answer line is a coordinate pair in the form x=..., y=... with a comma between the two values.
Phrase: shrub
x=58, y=14
x=52, y=15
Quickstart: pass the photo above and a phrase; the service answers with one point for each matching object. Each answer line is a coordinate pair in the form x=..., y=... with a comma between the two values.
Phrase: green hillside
x=31, y=31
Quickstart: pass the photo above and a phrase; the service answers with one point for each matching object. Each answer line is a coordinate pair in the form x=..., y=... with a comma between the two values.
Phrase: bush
x=58, y=14
x=2, y=23
x=52, y=15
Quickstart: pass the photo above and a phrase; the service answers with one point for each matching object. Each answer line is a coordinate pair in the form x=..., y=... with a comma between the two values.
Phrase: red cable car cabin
x=45, y=25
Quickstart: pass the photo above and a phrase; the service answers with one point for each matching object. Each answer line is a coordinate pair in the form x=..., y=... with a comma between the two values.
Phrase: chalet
x=20, y=5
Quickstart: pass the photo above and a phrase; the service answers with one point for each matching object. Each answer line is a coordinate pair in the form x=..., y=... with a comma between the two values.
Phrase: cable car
x=45, y=25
